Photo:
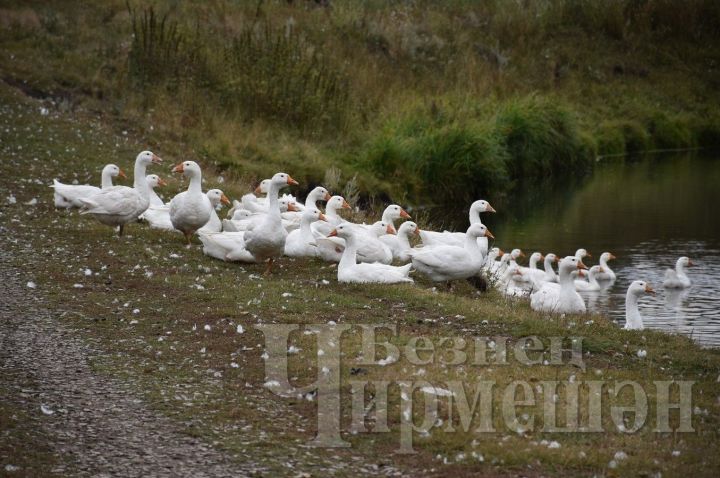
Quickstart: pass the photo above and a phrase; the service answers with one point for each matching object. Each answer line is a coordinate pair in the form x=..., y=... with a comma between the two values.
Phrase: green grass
x=185, y=371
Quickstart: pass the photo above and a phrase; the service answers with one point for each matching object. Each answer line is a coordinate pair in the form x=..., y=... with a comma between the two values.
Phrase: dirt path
x=95, y=423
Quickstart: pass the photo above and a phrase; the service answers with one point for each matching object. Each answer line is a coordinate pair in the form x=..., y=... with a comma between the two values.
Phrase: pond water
x=647, y=212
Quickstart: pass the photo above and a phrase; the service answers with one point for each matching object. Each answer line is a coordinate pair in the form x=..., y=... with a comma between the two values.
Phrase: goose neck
x=349, y=255
x=632, y=313
x=195, y=186
x=474, y=216
x=106, y=179
x=272, y=198
x=305, y=230
x=403, y=240
x=471, y=246
x=139, y=181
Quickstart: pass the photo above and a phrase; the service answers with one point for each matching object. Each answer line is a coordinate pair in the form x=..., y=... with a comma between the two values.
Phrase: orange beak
x=322, y=217
x=390, y=229
x=581, y=265
x=292, y=208
x=501, y=253
x=490, y=209
x=690, y=263
x=557, y=259
x=489, y=234
x=224, y=199
x=156, y=159
x=404, y=214
x=327, y=197
x=121, y=174
x=161, y=182
x=333, y=233
x=292, y=182
x=522, y=254
x=345, y=205
x=649, y=290
x=178, y=168
x=589, y=255
x=612, y=257
x=417, y=231
x=542, y=258
x=257, y=190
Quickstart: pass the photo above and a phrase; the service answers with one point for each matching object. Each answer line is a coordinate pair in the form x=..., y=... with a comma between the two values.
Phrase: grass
x=186, y=371
x=497, y=93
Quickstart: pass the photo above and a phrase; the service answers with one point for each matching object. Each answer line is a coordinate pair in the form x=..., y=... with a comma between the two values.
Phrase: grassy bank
x=165, y=319
x=423, y=101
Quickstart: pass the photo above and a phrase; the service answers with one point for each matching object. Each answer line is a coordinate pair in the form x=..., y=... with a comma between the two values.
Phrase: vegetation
x=424, y=101
x=164, y=319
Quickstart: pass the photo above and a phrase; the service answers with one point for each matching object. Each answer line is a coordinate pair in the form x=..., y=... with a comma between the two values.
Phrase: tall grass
x=542, y=139
x=261, y=72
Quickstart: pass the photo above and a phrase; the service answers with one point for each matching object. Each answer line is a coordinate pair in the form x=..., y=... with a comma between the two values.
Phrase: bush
x=542, y=139
x=462, y=159
x=462, y=162
x=669, y=133
x=610, y=138
x=636, y=137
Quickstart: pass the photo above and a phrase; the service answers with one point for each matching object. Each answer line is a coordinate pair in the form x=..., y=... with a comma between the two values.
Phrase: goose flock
x=264, y=226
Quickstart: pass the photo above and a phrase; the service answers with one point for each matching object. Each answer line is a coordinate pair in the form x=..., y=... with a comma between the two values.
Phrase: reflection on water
x=648, y=213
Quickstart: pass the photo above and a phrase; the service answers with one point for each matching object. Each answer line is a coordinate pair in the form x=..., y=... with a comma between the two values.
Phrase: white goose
x=678, y=279
x=214, y=224
x=491, y=265
x=550, y=275
x=244, y=220
x=532, y=270
x=266, y=241
x=252, y=202
x=392, y=213
x=607, y=274
x=513, y=282
x=581, y=254
x=68, y=195
x=319, y=193
x=560, y=298
x=158, y=214
x=190, y=210
x=448, y=238
x=446, y=263
x=226, y=246
x=301, y=242
x=333, y=218
x=633, y=319
x=591, y=284
x=369, y=246
x=155, y=181
x=350, y=271
x=406, y=229
x=119, y=205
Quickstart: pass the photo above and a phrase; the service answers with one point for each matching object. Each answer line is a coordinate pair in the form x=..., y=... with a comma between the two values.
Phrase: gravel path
x=93, y=422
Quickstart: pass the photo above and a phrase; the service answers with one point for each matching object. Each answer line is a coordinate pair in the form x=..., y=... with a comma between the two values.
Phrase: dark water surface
x=648, y=212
